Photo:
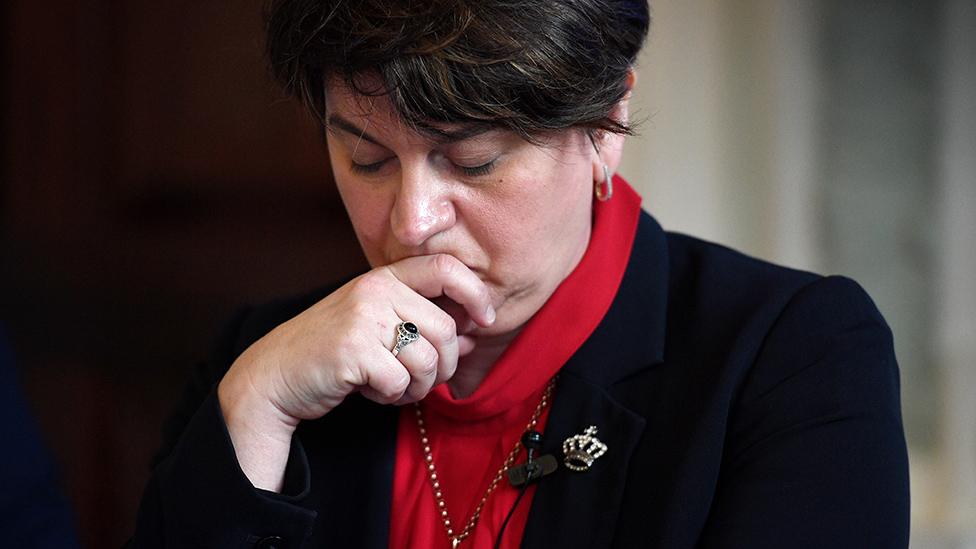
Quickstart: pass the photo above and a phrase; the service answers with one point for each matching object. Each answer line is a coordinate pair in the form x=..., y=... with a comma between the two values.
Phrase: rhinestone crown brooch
x=582, y=450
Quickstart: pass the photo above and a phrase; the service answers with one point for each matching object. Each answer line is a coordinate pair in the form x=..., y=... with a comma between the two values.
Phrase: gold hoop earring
x=604, y=190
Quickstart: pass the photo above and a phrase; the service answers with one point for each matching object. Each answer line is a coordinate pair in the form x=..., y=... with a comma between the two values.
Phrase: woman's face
x=516, y=214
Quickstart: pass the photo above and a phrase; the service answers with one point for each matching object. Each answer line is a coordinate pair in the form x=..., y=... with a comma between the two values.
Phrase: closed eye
x=470, y=171
x=367, y=168
x=475, y=171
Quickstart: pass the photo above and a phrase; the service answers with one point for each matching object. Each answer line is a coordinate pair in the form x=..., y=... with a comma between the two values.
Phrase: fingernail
x=490, y=314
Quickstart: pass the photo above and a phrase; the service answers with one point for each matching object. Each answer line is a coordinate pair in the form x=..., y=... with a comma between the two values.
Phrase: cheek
x=538, y=220
x=369, y=213
x=557, y=204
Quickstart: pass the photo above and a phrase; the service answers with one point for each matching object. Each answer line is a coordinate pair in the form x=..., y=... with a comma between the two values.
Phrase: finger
x=386, y=379
x=461, y=318
x=419, y=360
x=441, y=274
x=465, y=345
x=374, y=395
x=422, y=363
x=435, y=326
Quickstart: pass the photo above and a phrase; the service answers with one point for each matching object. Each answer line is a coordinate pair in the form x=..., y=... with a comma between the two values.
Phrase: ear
x=611, y=144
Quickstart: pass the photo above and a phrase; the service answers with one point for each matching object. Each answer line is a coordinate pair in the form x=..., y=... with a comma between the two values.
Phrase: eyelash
x=368, y=168
x=476, y=171
x=473, y=171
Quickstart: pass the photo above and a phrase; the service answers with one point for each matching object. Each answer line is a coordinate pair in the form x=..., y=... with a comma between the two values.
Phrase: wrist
x=259, y=432
x=246, y=409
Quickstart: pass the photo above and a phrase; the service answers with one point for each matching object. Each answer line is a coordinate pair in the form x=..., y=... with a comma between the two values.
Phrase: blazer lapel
x=580, y=509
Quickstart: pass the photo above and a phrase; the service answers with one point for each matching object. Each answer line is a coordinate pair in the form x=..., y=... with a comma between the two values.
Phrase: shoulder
x=781, y=386
x=799, y=370
x=712, y=284
x=746, y=324
x=776, y=337
x=702, y=272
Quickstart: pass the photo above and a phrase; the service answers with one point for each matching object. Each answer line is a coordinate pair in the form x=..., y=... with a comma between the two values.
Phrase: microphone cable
x=532, y=440
x=511, y=511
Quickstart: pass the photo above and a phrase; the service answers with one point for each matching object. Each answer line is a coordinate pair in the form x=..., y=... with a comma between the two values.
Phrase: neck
x=474, y=366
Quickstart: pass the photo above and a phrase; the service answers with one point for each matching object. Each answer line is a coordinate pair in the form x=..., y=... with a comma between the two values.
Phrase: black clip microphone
x=533, y=469
x=527, y=473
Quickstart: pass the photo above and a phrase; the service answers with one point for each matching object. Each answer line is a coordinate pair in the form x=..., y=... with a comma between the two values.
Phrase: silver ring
x=407, y=333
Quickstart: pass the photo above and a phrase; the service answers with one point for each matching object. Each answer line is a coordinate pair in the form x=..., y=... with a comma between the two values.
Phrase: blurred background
x=152, y=179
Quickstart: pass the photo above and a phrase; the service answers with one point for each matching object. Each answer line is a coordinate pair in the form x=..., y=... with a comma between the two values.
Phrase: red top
x=471, y=437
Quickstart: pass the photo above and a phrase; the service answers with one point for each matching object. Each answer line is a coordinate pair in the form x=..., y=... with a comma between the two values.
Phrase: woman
x=673, y=393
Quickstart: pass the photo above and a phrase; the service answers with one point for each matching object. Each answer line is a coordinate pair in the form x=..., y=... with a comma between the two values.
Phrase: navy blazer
x=743, y=404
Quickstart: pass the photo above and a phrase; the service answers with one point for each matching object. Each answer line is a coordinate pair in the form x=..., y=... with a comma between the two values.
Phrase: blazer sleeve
x=198, y=496
x=33, y=509
x=816, y=455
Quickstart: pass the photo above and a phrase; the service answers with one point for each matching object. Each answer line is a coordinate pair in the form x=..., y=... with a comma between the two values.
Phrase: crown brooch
x=582, y=450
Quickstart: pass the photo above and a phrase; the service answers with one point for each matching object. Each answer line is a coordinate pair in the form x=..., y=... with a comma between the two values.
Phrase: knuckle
x=428, y=362
x=444, y=264
x=361, y=309
x=483, y=293
x=349, y=377
x=397, y=388
x=383, y=384
x=384, y=398
x=447, y=373
x=372, y=283
x=444, y=328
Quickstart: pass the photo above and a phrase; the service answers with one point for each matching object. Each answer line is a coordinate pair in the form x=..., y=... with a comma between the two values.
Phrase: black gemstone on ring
x=410, y=327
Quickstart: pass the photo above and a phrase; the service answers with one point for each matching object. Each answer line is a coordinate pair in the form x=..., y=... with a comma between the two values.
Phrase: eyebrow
x=337, y=122
x=466, y=131
x=438, y=135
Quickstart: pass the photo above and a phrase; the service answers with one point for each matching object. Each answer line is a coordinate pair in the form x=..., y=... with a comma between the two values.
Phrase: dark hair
x=531, y=66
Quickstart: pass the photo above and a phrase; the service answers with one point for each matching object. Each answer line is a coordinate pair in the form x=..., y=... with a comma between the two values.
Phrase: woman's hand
x=305, y=367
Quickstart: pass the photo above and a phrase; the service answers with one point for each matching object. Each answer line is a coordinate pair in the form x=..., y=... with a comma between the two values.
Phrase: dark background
x=152, y=179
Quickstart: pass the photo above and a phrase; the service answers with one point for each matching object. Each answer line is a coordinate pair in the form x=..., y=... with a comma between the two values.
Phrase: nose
x=422, y=209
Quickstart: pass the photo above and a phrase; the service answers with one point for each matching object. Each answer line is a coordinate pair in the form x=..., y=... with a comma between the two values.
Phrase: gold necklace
x=506, y=465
